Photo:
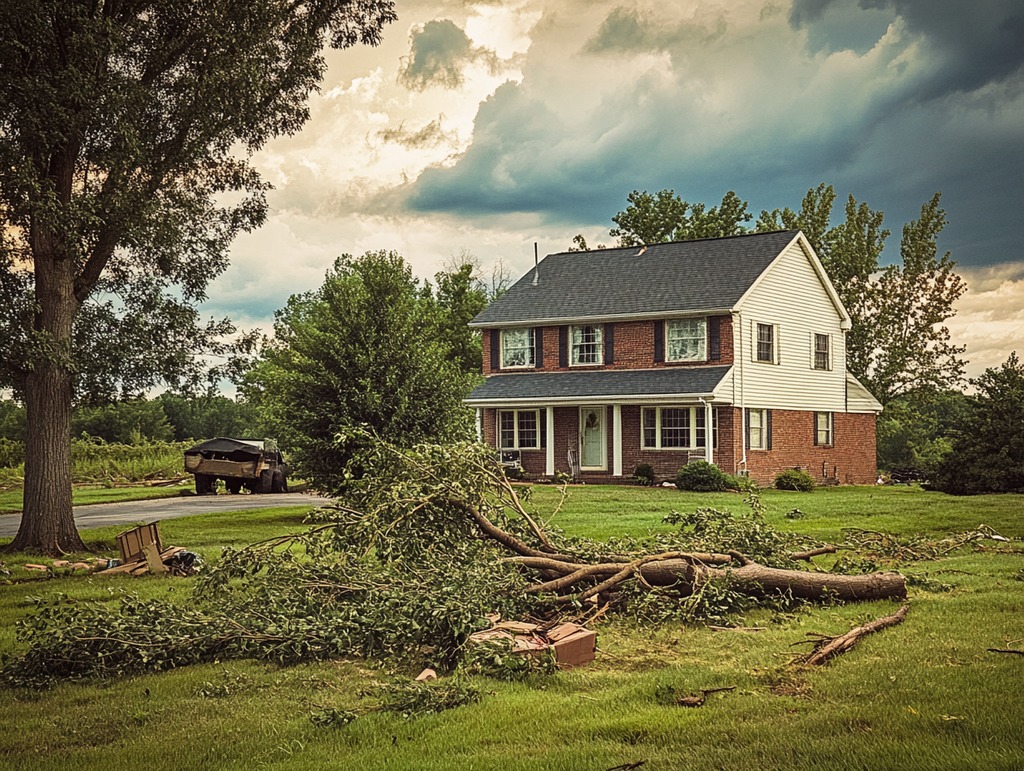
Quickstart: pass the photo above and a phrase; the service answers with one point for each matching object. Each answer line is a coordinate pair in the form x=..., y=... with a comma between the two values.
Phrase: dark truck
x=255, y=464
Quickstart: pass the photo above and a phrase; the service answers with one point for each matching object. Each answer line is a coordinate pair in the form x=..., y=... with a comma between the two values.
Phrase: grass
x=83, y=495
x=925, y=694
x=603, y=511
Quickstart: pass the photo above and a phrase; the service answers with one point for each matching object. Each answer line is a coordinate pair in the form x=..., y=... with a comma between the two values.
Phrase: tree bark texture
x=47, y=520
x=691, y=571
x=830, y=647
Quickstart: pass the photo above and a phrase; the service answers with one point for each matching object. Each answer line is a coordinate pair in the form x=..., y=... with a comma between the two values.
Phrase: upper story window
x=686, y=339
x=766, y=342
x=822, y=352
x=517, y=348
x=586, y=345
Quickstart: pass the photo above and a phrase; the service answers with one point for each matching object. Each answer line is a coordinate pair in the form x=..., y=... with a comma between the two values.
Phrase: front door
x=592, y=438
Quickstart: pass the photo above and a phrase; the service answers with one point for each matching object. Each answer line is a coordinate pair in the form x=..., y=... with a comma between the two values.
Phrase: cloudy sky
x=484, y=127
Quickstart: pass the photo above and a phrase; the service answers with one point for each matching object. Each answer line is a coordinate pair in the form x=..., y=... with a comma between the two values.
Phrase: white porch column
x=479, y=424
x=709, y=433
x=617, y=440
x=549, y=460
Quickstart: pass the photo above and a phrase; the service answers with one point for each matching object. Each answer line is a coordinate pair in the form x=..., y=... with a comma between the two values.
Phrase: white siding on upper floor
x=791, y=297
x=858, y=398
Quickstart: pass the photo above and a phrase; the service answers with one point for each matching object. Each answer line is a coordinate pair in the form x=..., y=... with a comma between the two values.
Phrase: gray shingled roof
x=711, y=274
x=596, y=384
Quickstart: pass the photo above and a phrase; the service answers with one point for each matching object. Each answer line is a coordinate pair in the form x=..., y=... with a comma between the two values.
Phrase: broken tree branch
x=696, y=700
x=806, y=555
x=829, y=647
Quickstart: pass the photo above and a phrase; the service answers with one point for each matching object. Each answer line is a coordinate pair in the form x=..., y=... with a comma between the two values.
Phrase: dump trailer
x=255, y=464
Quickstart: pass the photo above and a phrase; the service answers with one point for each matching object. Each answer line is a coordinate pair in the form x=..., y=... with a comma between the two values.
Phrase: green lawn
x=82, y=495
x=923, y=695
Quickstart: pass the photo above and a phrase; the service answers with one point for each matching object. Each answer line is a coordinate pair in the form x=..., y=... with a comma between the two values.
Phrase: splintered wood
x=143, y=566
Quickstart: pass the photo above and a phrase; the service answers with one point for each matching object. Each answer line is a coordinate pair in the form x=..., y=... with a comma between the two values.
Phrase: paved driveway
x=127, y=512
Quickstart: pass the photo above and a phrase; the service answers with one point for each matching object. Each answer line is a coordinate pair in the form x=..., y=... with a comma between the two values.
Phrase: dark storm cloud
x=976, y=42
x=891, y=124
x=524, y=158
x=437, y=54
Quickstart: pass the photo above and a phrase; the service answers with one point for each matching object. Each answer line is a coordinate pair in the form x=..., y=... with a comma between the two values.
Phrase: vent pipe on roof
x=536, y=265
x=642, y=250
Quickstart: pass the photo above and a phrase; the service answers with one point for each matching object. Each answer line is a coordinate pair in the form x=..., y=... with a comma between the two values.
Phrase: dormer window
x=586, y=345
x=517, y=348
x=686, y=340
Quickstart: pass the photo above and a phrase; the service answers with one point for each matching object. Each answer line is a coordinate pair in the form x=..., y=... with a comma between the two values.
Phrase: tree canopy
x=664, y=216
x=988, y=443
x=124, y=125
x=365, y=349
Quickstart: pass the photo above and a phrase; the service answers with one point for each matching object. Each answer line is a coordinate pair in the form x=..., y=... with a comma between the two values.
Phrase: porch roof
x=589, y=386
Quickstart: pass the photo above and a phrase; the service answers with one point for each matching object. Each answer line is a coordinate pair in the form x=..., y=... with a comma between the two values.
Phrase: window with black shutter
x=538, y=341
x=563, y=346
x=609, y=343
x=659, y=341
x=715, y=338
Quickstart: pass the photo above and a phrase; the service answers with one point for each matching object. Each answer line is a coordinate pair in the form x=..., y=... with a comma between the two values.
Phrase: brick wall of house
x=633, y=348
x=490, y=426
x=850, y=459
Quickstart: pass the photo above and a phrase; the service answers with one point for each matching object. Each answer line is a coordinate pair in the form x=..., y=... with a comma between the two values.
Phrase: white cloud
x=990, y=316
x=700, y=96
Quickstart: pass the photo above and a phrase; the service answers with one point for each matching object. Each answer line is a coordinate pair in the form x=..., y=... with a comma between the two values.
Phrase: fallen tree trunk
x=829, y=647
x=688, y=572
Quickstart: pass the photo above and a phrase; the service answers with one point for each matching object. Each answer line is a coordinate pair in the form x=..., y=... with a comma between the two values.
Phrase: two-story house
x=731, y=350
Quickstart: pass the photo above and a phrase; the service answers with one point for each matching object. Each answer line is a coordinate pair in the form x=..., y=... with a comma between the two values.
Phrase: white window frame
x=530, y=349
x=762, y=429
x=693, y=427
x=826, y=432
x=755, y=348
x=815, y=352
x=517, y=430
x=575, y=347
x=680, y=330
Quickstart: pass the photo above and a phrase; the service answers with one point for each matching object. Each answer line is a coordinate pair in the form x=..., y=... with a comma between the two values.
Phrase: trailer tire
x=266, y=481
x=278, y=483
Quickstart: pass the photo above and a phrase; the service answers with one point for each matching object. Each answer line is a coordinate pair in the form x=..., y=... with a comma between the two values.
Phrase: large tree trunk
x=753, y=578
x=47, y=521
x=689, y=572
